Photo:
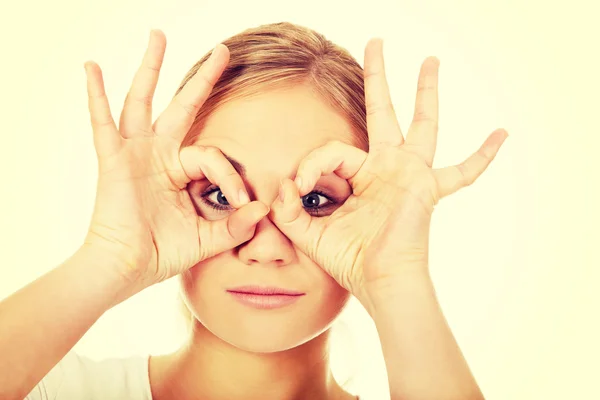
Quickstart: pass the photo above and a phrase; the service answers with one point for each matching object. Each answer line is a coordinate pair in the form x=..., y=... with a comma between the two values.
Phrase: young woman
x=276, y=184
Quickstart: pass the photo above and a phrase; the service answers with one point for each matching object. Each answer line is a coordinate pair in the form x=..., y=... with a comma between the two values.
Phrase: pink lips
x=265, y=297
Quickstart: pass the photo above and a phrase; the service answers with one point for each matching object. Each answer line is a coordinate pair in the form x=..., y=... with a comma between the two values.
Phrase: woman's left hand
x=382, y=230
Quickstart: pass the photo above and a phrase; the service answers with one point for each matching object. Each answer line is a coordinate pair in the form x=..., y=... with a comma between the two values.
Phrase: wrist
x=378, y=294
x=109, y=273
x=414, y=333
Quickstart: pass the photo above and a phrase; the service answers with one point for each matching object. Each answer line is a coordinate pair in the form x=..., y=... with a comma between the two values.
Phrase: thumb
x=227, y=233
x=293, y=220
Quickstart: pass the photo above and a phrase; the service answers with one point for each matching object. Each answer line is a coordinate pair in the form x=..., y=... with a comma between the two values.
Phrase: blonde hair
x=285, y=55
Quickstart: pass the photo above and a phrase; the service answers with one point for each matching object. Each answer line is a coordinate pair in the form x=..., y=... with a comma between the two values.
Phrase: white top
x=77, y=377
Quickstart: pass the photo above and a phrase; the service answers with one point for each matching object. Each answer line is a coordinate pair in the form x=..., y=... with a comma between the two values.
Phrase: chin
x=272, y=340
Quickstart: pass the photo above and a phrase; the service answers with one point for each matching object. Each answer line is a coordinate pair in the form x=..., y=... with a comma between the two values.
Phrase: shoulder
x=78, y=377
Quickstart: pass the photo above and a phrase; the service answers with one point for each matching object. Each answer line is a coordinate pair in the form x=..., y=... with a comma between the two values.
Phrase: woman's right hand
x=144, y=222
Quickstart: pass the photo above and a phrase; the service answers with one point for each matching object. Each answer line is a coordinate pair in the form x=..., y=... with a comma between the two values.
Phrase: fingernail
x=281, y=191
x=258, y=215
x=244, y=199
x=298, y=182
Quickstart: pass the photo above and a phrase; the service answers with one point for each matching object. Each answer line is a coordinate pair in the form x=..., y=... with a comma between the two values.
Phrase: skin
x=234, y=351
x=375, y=246
x=146, y=229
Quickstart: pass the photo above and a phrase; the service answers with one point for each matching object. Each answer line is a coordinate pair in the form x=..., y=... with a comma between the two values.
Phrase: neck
x=207, y=368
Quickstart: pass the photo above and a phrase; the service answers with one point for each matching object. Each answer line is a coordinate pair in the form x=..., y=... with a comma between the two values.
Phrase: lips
x=265, y=298
x=265, y=291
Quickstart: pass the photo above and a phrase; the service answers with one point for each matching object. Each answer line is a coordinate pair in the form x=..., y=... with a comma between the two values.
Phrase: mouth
x=265, y=298
x=265, y=291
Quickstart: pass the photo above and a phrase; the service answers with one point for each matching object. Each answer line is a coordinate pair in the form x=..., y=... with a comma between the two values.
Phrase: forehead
x=272, y=131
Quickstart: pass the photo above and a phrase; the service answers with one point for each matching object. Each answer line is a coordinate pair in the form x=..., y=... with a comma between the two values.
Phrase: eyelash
x=221, y=208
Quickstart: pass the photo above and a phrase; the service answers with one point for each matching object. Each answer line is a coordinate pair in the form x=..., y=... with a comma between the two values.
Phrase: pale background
x=511, y=255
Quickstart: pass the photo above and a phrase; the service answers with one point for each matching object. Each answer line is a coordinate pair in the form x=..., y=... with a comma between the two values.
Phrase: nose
x=268, y=247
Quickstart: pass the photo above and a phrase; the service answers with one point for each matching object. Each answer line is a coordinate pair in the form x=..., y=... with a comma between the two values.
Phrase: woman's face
x=268, y=134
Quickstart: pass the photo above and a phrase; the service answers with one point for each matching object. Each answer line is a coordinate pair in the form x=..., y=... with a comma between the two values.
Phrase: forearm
x=422, y=357
x=41, y=322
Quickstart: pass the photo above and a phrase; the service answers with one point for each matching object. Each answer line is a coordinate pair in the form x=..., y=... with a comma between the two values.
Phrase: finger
x=136, y=118
x=107, y=139
x=335, y=157
x=382, y=123
x=201, y=162
x=176, y=120
x=422, y=134
x=293, y=221
x=224, y=234
x=451, y=179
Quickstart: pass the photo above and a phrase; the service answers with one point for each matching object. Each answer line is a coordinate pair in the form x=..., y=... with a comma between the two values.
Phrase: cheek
x=333, y=297
x=203, y=281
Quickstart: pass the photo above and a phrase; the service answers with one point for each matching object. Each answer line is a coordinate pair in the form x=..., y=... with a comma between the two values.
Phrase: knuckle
x=204, y=80
x=370, y=73
x=190, y=109
x=231, y=174
x=306, y=166
x=97, y=96
x=212, y=150
x=145, y=100
x=213, y=153
x=464, y=180
x=153, y=68
x=425, y=86
x=487, y=154
x=230, y=178
x=101, y=123
x=380, y=108
x=422, y=117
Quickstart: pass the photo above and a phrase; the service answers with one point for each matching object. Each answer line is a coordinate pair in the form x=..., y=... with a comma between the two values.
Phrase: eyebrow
x=238, y=166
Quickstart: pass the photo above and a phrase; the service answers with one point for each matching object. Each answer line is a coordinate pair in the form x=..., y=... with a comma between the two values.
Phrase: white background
x=511, y=256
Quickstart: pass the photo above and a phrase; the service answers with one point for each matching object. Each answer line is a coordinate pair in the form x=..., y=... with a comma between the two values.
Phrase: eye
x=314, y=201
x=218, y=197
x=214, y=198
